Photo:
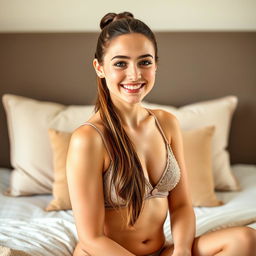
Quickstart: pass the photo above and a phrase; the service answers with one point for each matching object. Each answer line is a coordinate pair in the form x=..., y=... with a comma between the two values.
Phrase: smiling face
x=128, y=67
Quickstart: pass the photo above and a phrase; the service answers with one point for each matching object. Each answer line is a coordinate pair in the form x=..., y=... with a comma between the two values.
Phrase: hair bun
x=111, y=16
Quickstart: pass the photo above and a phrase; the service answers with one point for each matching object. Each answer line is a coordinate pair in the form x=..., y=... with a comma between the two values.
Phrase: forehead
x=131, y=45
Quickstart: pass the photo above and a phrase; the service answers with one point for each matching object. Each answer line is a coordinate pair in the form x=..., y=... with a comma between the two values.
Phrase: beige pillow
x=198, y=160
x=28, y=121
x=59, y=143
x=217, y=112
x=197, y=151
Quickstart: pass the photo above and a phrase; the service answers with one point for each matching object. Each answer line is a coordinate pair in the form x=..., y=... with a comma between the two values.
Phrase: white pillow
x=28, y=121
x=216, y=112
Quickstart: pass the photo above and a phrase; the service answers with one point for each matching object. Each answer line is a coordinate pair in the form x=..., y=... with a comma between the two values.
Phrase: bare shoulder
x=164, y=115
x=87, y=141
x=85, y=133
x=168, y=122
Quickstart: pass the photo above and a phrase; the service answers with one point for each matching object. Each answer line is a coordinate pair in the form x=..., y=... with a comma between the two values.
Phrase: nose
x=133, y=73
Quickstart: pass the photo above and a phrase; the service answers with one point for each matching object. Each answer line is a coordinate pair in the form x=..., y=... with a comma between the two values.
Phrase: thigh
x=213, y=242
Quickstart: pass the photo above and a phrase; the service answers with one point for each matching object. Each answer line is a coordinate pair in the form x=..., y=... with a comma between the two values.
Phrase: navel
x=145, y=241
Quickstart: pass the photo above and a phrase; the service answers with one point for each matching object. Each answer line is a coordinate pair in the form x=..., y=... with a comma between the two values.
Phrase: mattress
x=24, y=225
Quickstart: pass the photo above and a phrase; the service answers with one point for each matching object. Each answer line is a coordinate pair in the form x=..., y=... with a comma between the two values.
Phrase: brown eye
x=120, y=64
x=145, y=63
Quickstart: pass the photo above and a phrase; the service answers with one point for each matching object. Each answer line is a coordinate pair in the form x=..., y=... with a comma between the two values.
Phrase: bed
x=34, y=65
x=24, y=224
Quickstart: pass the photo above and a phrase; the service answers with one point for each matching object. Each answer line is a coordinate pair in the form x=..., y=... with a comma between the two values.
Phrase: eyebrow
x=126, y=57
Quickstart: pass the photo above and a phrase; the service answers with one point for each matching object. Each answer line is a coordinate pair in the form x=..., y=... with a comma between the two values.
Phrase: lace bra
x=167, y=181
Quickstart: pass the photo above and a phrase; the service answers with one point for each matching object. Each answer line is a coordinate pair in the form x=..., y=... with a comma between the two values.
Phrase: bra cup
x=172, y=175
x=168, y=182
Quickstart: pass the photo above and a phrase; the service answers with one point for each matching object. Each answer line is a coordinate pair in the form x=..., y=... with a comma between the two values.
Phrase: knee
x=246, y=237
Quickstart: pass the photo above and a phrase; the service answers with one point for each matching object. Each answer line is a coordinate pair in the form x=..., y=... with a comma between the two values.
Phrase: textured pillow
x=28, y=121
x=197, y=153
x=217, y=112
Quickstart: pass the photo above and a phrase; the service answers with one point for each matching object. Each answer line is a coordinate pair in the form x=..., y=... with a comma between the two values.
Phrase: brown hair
x=128, y=177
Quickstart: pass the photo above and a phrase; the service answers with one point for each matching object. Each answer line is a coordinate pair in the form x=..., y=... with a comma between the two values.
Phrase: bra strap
x=101, y=134
x=158, y=124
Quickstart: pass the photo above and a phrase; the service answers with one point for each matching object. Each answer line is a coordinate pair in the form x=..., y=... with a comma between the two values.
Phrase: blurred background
x=207, y=50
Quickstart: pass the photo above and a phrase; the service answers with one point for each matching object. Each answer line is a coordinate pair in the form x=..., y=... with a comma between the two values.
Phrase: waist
x=141, y=244
x=147, y=235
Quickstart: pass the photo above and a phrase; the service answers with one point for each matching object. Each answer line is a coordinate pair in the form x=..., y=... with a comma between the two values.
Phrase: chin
x=134, y=101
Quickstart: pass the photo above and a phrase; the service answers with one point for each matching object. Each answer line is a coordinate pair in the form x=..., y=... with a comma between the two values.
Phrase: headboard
x=193, y=66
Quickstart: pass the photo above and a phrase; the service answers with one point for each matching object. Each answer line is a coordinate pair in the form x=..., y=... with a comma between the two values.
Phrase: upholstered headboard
x=193, y=66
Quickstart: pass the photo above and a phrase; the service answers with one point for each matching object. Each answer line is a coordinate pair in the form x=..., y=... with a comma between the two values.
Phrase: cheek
x=113, y=78
x=113, y=75
x=149, y=74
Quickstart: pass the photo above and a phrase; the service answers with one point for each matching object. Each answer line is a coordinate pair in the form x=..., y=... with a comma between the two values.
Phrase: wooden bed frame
x=193, y=66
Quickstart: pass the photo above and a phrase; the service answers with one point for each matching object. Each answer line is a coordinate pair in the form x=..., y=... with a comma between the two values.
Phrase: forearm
x=183, y=227
x=95, y=247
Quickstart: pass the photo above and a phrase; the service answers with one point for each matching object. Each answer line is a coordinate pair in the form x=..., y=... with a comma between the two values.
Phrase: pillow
x=197, y=153
x=28, y=121
x=216, y=112
x=59, y=143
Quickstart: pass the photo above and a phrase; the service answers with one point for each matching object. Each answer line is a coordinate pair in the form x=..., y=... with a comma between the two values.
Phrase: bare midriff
x=147, y=235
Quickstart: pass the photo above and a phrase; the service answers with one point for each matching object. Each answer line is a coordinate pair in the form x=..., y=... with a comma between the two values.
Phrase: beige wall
x=161, y=15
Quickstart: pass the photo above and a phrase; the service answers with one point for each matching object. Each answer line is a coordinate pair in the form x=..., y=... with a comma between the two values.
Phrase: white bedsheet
x=26, y=226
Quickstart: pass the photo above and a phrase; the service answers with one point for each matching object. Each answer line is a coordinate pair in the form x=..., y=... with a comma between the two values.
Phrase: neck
x=131, y=115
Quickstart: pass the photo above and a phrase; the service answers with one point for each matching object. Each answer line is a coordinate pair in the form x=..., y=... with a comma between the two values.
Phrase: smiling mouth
x=132, y=88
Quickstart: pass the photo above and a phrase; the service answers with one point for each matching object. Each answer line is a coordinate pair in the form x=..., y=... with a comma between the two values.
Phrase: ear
x=98, y=68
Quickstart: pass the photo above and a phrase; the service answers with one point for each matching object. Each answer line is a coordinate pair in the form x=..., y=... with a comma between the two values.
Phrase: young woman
x=125, y=166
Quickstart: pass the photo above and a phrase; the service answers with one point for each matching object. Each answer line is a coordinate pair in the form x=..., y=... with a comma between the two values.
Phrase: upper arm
x=84, y=167
x=179, y=196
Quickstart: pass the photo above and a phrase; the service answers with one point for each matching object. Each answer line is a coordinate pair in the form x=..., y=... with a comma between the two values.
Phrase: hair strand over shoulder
x=128, y=178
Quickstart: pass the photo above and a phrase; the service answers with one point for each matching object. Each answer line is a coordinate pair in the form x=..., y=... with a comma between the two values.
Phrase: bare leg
x=235, y=241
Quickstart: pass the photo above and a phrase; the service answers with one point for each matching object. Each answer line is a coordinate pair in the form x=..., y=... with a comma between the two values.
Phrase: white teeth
x=132, y=87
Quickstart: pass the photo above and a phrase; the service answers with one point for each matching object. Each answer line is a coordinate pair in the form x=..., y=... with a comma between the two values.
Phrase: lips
x=132, y=86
